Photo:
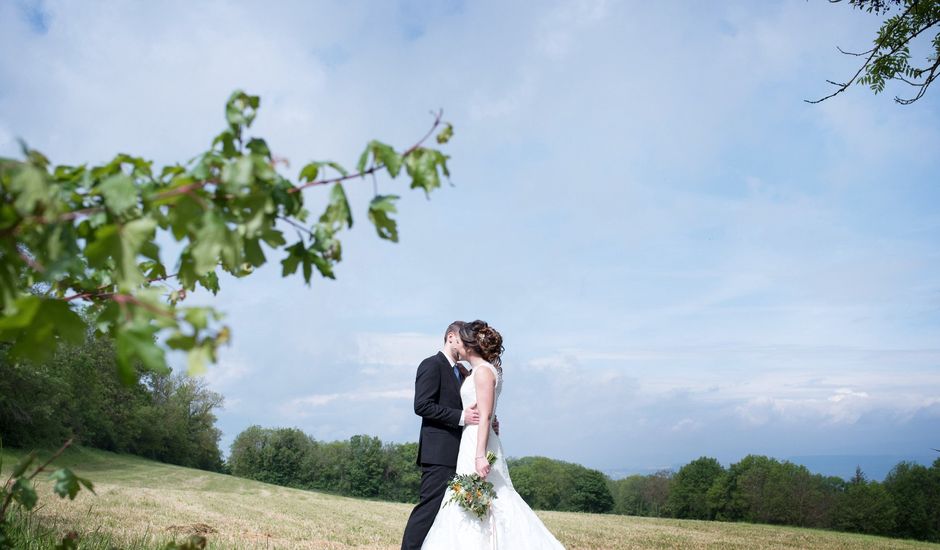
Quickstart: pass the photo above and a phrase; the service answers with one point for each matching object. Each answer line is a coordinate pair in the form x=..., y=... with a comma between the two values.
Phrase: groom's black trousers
x=434, y=480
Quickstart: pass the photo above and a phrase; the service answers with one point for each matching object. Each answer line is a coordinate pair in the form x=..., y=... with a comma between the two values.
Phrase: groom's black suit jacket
x=437, y=402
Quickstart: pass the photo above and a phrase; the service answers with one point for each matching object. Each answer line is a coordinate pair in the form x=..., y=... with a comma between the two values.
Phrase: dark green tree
x=539, y=481
x=402, y=478
x=245, y=456
x=366, y=467
x=740, y=493
x=864, y=507
x=628, y=496
x=916, y=494
x=589, y=492
x=687, y=496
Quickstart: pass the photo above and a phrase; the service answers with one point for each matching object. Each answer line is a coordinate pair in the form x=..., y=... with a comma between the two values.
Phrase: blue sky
x=684, y=258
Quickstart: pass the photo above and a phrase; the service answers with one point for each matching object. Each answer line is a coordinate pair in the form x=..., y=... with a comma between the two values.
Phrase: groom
x=437, y=402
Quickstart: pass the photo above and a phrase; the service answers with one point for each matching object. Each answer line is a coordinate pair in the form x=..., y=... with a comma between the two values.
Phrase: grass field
x=144, y=504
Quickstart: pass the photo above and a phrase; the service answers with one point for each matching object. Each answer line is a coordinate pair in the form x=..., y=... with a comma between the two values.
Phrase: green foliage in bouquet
x=472, y=492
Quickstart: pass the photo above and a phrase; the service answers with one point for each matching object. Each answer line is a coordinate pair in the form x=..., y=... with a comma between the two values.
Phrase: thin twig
x=859, y=54
x=375, y=168
x=296, y=225
x=130, y=298
x=9, y=497
x=931, y=76
x=96, y=292
x=53, y=457
x=845, y=86
x=31, y=262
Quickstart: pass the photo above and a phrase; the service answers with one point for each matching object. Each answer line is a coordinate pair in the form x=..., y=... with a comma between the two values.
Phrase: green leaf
x=422, y=165
x=210, y=238
x=240, y=110
x=198, y=317
x=444, y=135
x=383, y=154
x=363, y=159
x=253, y=252
x=387, y=156
x=294, y=254
x=23, y=312
x=259, y=147
x=137, y=342
x=324, y=266
x=337, y=167
x=24, y=493
x=30, y=188
x=237, y=175
x=35, y=324
x=119, y=193
x=67, y=484
x=68, y=323
x=337, y=212
x=310, y=171
x=23, y=464
x=134, y=235
x=197, y=358
x=180, y=341
x=273, y=237
x=379, y=210
x=122, y=243
x=105, y=244
x=210, y=282
x=227, y=139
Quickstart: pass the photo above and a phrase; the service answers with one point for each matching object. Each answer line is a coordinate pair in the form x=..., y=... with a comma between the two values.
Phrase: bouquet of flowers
x=473, y=492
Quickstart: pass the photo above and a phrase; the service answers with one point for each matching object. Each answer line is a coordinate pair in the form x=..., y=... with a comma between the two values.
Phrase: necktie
x=457, y=372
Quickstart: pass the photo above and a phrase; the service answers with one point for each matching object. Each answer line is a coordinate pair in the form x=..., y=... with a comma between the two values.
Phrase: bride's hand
x=482, y=466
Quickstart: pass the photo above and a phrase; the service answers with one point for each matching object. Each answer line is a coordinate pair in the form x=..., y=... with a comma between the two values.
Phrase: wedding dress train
x=510, y=523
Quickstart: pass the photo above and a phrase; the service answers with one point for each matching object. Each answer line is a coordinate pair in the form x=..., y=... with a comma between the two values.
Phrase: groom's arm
x=427, y=392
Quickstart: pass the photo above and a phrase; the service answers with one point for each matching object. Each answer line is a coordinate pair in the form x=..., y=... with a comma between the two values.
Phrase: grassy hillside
x=143, y=504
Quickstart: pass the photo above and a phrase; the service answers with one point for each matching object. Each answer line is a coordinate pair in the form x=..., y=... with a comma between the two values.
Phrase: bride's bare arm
x=485, y=382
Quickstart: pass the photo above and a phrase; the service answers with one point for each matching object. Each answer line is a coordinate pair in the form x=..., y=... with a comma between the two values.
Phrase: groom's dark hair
x=454, y=327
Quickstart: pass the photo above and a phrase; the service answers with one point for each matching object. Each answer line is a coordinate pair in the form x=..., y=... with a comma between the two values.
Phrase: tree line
x=79, y=393
x=364, y=466
x=760, y=489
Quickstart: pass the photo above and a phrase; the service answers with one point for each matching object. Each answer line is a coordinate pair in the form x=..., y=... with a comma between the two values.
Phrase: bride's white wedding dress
x=510, y=524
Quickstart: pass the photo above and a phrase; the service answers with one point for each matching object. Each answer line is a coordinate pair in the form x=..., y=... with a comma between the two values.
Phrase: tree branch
x=377, y=167
x=96, y=292
x=859, y=54
x=931, y=76
x=9, y=497
x=873, y=51
x=51, y=459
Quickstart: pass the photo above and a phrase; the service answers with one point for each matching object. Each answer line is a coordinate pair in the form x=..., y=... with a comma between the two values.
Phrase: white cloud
x=686, y=424
x=396, y=349
x=227, y=372
x=300, y=407
x=557, y=29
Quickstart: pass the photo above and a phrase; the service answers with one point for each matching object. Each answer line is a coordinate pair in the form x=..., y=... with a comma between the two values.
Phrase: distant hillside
x=876, y=467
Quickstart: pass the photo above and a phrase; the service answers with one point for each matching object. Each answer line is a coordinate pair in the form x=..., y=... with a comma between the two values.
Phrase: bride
x=510, y=522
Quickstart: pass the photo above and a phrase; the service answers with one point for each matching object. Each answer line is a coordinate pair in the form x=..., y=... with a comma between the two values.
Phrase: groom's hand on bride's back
x=471, y=416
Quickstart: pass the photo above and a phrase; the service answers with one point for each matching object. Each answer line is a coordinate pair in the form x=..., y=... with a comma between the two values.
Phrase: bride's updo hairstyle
x=484, y=340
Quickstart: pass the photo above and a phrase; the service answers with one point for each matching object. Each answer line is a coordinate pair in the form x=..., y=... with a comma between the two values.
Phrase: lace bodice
x=468, y=391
